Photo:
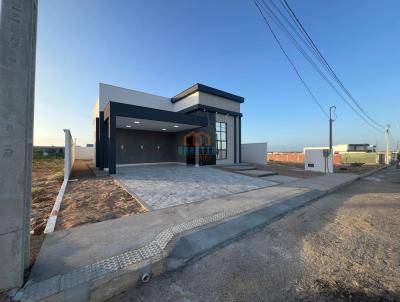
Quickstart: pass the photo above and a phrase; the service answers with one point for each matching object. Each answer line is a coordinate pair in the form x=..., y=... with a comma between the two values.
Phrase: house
x=199, y=126
x=353, y=148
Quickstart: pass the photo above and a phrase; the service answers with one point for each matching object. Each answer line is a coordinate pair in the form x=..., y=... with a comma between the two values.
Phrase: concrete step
x=257, y=173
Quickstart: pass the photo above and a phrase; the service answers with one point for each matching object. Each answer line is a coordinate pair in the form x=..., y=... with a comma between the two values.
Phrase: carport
x=130, y=134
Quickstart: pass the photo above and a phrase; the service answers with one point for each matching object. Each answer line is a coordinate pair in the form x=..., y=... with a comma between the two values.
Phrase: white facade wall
x=218, y=102
x=255, y=153
x=186, y=102
x=109, y=93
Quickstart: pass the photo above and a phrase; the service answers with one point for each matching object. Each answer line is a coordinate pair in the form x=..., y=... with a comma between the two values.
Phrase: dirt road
x=343, y=247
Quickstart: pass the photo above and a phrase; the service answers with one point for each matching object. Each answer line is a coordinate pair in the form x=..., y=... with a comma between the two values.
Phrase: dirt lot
x=89, y=199
x=47, y=177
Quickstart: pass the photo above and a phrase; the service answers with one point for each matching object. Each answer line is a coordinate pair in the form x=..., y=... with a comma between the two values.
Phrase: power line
x=321, y=56
x=264, y=7
x=290, y=61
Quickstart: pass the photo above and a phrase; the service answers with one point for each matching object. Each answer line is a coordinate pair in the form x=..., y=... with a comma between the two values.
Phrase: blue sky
x=163, y=47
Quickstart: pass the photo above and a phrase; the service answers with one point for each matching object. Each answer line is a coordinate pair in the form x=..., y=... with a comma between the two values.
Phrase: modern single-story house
x=199, y=126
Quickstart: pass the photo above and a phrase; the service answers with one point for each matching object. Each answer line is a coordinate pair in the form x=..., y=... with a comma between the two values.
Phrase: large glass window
x=221, y=140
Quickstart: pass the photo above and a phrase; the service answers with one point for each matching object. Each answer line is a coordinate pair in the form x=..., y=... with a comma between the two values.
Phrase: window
x=221, y=140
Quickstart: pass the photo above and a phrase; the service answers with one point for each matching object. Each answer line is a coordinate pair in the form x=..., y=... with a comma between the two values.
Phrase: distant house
x=201, y=126
x=353, y=148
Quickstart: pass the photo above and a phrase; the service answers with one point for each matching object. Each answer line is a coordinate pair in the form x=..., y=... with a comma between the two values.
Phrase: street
x=344, y=246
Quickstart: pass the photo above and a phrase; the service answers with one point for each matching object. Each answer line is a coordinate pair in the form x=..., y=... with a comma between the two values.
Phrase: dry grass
x=89, y=199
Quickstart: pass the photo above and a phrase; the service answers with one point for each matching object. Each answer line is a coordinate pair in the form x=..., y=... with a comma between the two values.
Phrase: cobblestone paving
x=162, y=186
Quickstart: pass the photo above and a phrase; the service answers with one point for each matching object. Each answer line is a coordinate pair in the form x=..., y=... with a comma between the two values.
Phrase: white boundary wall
x=255, y=153
x=84, y=153
x=69, y=156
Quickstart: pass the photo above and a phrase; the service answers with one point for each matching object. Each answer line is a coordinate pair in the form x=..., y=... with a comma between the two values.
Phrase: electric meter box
x=318, y=160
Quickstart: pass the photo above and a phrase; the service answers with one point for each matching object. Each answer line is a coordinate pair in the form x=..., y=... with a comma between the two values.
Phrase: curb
x=171, y=249
x=51, y=222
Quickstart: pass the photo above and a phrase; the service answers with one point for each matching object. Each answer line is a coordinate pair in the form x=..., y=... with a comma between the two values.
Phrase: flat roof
x=209, y=90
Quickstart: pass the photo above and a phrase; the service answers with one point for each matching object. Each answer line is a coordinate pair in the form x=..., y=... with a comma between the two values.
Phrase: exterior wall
x=109, y=93
x=87, y=153
x=187, y=102
x=129, y=144
x=254, y=153
x=218, y=102
x=230, y=143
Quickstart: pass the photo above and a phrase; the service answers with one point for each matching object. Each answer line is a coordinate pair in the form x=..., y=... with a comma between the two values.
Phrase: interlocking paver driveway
x=161, y=186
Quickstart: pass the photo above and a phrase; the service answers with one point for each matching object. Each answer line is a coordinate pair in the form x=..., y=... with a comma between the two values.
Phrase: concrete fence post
x=17, y=82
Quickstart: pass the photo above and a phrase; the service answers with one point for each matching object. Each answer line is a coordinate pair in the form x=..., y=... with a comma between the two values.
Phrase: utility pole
x=17, y=82
x=387, y=161
x=331, y=109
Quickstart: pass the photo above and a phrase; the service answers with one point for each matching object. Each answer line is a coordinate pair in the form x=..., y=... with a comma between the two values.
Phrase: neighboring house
x=353, y=148
x=201, y=126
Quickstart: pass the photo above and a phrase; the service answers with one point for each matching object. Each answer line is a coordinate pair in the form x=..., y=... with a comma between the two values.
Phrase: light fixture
x=128, y=126
x=136, y=122
x=176, y=126
x=163, y=129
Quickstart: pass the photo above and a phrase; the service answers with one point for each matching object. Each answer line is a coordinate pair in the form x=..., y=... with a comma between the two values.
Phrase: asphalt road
x=343, y=247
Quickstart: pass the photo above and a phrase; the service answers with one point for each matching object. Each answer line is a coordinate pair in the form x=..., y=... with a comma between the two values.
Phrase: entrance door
x=190, y=151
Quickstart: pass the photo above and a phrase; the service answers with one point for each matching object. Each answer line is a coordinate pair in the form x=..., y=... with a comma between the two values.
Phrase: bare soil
x=47, y=177
x=90, y=199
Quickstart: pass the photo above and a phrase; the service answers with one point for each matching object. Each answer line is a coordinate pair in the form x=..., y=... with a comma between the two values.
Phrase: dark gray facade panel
x=112, y=129
x=157, y=146
x=240, y=139
x=126, y=110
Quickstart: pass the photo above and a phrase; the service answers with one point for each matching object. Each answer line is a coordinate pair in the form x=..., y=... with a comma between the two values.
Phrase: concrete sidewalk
x=96, y=261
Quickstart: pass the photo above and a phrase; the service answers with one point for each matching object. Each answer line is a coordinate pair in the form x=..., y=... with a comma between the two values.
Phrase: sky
x=163, y=47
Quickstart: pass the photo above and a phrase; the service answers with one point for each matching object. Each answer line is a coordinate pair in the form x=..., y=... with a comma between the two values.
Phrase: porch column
x=112, y=131
x=17, y=82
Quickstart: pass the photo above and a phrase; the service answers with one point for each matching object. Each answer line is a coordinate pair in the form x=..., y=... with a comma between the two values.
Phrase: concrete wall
x=157, y=146
x=254, y=153
x=86, y=153
x=218, y=102
x=230, y=140
x=186, y=102
x=17, y=82
x=109, y=93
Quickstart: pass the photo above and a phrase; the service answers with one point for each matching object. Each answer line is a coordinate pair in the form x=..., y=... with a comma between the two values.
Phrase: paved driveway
x=161, y=186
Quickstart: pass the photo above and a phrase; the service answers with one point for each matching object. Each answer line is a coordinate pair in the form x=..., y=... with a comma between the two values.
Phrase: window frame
x=219, y=131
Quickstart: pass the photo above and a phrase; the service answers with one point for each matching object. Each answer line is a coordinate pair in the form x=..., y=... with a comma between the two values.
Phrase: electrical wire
x=290, y=61
x=264, y=7
x=300, y=26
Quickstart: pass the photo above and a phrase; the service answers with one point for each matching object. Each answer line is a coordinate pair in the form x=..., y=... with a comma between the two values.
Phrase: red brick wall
x=294, y=157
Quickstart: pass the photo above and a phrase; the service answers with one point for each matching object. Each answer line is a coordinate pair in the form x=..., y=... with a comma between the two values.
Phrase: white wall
x=186, y=102
x=69, y=156
x=218, y=102
x=230, y=138
x=87, y=153
x=255, y=153
x=112, y=93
